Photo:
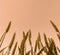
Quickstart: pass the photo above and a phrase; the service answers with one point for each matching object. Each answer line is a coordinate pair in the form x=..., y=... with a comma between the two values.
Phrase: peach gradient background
x=29, y=14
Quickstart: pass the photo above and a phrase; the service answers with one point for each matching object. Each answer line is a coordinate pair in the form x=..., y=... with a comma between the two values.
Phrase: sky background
x=29, y=14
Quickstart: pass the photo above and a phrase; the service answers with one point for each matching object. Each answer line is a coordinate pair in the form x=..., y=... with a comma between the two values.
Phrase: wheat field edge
x=49, y=48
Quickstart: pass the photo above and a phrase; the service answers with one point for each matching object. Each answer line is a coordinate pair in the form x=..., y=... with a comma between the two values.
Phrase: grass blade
x=3, y=36
x=12, y=41
x=40, y=51
x=2, y=39
x=7, y=29
x=35, y=49
x=19, y=50
x=55, y=27
x=58, y=36
x=55, y=49
x=28, y=52
x=3, y=49
x=23, y=43
x=37, y=44
x=46, y=42
x=58, y=49
x=14, y=49
x=30, y=42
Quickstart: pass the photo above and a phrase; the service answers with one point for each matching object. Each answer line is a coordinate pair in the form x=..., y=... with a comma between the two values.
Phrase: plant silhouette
x=49, y=48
